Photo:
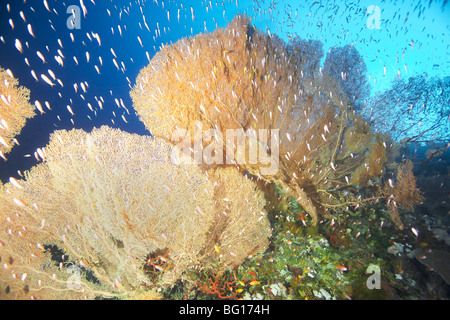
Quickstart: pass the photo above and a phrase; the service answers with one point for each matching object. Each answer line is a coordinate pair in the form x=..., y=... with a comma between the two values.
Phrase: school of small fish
x=58, y=48
x=120, y=20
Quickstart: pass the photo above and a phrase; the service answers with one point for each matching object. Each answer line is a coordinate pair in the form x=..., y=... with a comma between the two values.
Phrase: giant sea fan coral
x=242, y=79
x=112, y=201
x=234, y=78
x=346, y=65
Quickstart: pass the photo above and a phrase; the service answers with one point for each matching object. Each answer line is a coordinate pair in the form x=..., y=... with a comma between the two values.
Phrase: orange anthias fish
x=341, y=268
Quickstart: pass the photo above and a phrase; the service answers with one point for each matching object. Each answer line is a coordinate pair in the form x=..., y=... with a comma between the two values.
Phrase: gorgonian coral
x=15, y=109
x=240, y=79
x=113, y=202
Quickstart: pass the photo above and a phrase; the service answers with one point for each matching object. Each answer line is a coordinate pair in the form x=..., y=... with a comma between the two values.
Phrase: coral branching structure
x=403, y=192
x=346, y=65
x=15, y=109
x=113, y=207
x=418, y=110
x=238, y=78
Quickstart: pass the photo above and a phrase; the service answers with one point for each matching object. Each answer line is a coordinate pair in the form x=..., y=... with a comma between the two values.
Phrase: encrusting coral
x=124, y=214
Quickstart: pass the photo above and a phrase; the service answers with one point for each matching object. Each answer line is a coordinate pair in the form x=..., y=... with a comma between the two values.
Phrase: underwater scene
x=224, y=150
